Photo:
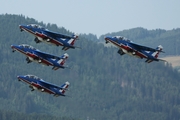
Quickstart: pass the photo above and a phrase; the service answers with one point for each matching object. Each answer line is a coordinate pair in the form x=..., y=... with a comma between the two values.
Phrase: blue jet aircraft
x=126, y=46
x=36, y=55
x=44, y=35
x=36, y=83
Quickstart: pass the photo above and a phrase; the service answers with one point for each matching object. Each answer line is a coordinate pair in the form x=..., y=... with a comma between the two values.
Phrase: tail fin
x=156, y=53
x=73, y=39
x=70, y=42
x=63, y=59
x=64, y=87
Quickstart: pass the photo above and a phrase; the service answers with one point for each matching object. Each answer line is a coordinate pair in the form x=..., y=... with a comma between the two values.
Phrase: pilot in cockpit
x=120, y=37
x=34, y=25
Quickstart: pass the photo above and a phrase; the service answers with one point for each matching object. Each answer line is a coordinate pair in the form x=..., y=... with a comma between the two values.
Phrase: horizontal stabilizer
x=64, y=87
x=162, y=60
x=150, y=60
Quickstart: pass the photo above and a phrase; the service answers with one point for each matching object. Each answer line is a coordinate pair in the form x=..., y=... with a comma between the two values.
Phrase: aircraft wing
x=57, y=35
x=140, y=47
x=46, y=55
x=48, y=85
x=150, y=60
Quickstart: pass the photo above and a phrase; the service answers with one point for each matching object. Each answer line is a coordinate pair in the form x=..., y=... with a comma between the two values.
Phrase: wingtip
x=163, y=60
x=77, y=47
x=162, y=51
x=67, y=83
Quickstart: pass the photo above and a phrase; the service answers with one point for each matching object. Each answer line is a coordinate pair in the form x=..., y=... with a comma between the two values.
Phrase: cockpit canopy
x=122, y=38
x=33, y=77
x=28, y=46
x=36, y=26
x=119, y=37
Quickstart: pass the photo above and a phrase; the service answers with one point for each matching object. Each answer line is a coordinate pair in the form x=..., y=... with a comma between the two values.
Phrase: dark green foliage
x=90, y=37
x=9, y=115
x=104, y=85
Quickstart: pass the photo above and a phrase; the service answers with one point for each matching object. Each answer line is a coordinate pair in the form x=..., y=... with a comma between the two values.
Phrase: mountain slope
x=104, y=85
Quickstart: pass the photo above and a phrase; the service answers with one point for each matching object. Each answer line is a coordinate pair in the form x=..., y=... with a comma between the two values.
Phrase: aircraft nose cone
x=22, y=27
x=106, y=38
x=18, y=77
x=12, y=46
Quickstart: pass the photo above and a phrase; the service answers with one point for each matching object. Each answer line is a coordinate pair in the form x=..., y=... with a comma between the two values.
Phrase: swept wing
x=140, y=47
x=57, y=35
x=46, y=55
x=49, y=85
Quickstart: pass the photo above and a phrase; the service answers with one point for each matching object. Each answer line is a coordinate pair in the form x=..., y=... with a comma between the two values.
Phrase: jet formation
x=42, y=34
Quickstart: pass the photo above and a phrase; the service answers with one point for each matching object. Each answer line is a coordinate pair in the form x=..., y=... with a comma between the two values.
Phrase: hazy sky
x=98, y=16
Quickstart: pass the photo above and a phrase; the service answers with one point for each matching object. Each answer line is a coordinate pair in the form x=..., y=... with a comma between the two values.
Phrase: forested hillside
x=104, y=85
x=10, y=115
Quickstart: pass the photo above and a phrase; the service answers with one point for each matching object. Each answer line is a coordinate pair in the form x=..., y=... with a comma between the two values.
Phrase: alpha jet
x=44, y=35
x=36, y=83
x=35, y=55
x=126, y=46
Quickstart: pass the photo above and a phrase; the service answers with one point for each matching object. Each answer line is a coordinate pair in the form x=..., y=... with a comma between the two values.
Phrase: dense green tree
x=104, y=85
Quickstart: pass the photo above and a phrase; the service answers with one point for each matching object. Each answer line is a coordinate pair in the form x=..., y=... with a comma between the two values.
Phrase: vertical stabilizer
x=63, y=59
x=70, y=42
x=64, y=87
x=73, y=39
x=156, y=53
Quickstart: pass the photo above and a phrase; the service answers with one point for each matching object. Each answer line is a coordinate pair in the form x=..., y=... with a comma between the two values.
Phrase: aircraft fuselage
x=34, y=56
x=37, y=32
x=127, y=49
